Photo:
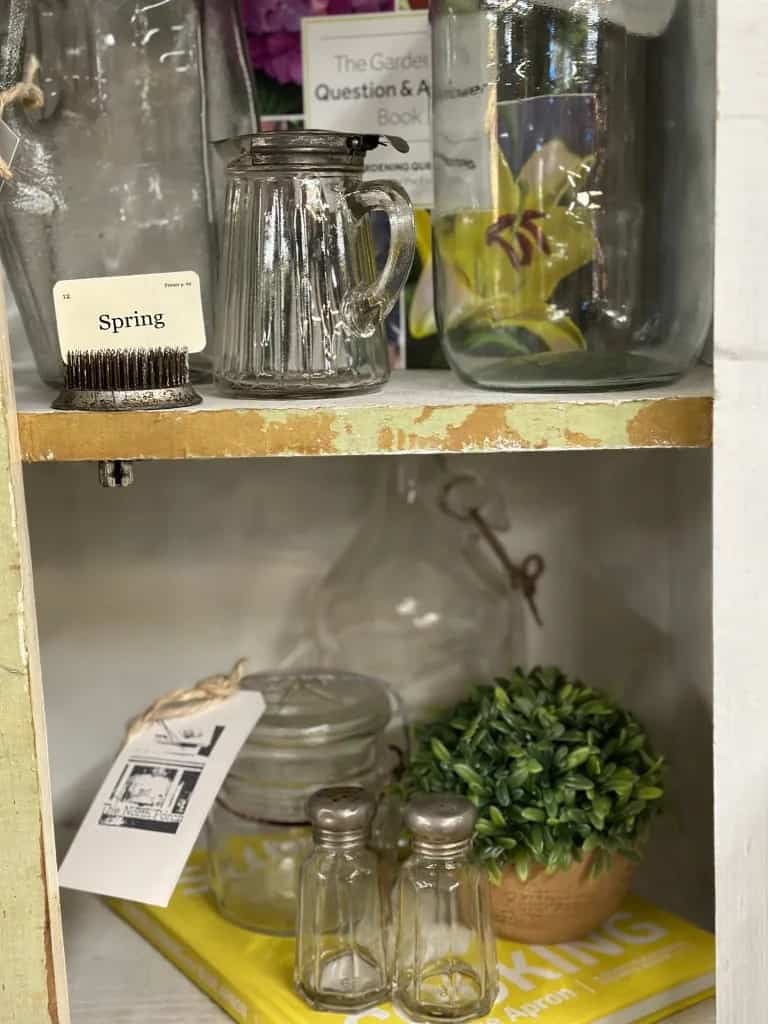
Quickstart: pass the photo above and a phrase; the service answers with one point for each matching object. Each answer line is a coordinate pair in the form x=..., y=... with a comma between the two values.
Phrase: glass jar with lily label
x=574, y=172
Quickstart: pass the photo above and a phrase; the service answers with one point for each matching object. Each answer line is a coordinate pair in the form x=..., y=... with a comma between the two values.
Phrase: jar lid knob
x=341, y=809
x=441, y=818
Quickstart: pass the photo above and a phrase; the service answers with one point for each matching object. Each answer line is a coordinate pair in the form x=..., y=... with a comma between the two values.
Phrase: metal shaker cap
x=440, y=818
x=341, y=810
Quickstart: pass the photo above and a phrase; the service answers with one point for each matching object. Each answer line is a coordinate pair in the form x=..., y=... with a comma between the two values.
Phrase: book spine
x=187, y=960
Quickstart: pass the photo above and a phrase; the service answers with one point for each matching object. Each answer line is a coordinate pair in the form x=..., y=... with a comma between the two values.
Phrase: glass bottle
x=117, y=174
x=314, y=322
x=417, y=599
x=574, y=163
x=445, y=953
x=341, y=962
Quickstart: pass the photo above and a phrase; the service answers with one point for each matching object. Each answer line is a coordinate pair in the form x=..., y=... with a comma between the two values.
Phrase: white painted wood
x=32, y=983
x=116, y=977
x=199, y=563
x=405, y=389
x=740, y=507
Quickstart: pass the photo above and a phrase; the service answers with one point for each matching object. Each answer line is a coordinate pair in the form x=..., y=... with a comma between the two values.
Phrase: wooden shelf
x=115, y=975
x=418, y=411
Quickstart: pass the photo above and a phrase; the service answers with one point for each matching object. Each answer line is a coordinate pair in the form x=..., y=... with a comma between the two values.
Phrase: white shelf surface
x=116, y=977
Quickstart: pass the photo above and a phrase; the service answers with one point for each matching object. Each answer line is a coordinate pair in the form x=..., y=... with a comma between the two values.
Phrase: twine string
x=203, y=696
x=26, y=92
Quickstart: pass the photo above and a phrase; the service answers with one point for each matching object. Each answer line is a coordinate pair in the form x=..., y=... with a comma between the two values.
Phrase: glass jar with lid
x=320, y=728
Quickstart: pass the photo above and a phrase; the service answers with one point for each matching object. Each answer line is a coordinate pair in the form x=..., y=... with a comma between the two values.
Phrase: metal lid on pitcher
x=310, y=148
x=307, y=707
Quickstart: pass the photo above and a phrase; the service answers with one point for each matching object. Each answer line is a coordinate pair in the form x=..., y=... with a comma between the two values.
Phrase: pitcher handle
x=365, y=308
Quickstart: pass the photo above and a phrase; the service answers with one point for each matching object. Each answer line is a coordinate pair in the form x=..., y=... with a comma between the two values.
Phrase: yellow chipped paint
x=506, y=424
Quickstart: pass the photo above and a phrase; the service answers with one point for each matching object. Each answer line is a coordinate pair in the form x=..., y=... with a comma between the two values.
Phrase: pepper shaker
x=341, y=962
x=445, y=954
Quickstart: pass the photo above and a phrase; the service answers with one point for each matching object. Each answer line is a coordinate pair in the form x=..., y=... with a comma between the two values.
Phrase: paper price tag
x=138, y=311
x=141, y=827
x=372, y=73
x=9, y=143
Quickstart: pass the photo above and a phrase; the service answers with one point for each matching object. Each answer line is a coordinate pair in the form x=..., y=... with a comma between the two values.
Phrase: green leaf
x=483, y=827
x=501, y=697
x=576, y=781
x=502, y=793
x=522, y=864
x=596, y=708
x=469, y=775
x=536, y=839
x=524, y=705
x=578, y=757
x=534, y=767
x=497, y=817
x=650, y=793
x=533, y=814
x=439, y=749
x=507, y=842
x=494, y=873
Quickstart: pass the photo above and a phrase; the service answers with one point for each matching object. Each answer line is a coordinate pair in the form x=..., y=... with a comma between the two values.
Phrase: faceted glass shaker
x=117, y=173
x=445, y=954
x=301, y=302
x=341, y=961
x=574, y=188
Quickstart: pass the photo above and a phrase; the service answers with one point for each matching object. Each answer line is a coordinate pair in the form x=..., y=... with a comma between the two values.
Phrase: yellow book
x=641, y=967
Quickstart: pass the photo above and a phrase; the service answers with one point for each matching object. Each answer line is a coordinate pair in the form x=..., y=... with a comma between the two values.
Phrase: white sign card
x=140, y=829
x=137, y=311
x=9, y=143
x=372, y=73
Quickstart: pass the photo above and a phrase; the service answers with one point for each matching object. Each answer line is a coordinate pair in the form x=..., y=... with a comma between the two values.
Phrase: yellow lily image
x=421, y=316
x=499, y=267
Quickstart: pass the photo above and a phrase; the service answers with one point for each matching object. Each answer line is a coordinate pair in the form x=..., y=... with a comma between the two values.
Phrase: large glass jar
x=117, y=174
x=574, y=189
x=320, y=728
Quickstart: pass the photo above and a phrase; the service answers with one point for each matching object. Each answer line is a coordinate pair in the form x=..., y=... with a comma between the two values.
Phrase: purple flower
x=274, y=30
x=278, y=54
x=263, y=16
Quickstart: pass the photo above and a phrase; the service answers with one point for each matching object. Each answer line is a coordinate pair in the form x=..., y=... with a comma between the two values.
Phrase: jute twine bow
x=26, y=92
x=203, y=696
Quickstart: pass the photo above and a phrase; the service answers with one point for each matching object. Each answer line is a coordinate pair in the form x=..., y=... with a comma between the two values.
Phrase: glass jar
x=320, y=728
x=301, y=303
x=445, y=953
x=116, y=174
x=341, y=947
x=574, y=181
x=417, y=599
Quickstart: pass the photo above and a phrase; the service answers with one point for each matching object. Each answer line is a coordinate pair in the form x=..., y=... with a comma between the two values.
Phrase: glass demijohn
x=416, y=599
x=445, y=953
x=341, y=962
x=301, y=302
x=574, y=181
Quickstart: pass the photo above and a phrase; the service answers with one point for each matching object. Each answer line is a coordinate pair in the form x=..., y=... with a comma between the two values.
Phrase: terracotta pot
x=561, y=907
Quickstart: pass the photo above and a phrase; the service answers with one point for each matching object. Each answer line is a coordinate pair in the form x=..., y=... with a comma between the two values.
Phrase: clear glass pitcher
x=301, y=302
x=574, y=183
x=117, y=173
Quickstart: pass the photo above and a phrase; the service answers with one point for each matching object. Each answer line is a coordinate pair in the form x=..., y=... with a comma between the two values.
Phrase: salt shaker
x=341, y=962
x=445, y=954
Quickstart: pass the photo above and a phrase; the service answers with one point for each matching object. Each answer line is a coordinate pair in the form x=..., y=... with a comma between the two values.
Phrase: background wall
x=153, y=587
